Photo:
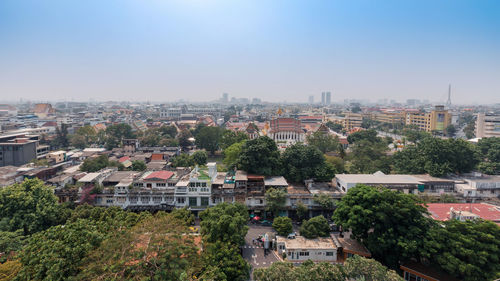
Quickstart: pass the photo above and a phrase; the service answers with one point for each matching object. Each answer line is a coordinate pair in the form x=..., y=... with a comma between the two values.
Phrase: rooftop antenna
x=448, y=102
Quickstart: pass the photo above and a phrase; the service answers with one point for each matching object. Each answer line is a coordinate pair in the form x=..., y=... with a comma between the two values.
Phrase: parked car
x=292, y=235
x=266, y=223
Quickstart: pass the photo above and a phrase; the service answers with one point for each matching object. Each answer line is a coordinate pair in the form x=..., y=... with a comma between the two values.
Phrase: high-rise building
x=225, y=98
x=311, y=99
x=328, y=98
x=323, y=98
x=487, y=125
x=436, y=120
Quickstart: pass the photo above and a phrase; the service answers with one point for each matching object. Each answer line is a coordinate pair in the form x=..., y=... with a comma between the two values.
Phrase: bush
x=283, y=225
x=315, y=227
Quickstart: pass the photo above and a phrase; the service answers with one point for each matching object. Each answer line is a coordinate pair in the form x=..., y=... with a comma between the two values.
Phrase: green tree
x=368, y=157
x=334, y=126
x=307, y=271
x=232, y=154
x=29, y=206
x=229, y=138
x=91, y=165
x=208, y=138
x=155, y=249
x=283, y=225
x=116, y=133
x=225, y=223
x=489, y=151
x=323, y=142
x=451, y=130
x=183, y=138
x=324, y=200
x=227, y=258
x=301, y=162
x=368, y=135
x=183, y=160
x=78, y=141
x=359, y=268
x=183, y=214
x=200, y=157
x=302, y=211
x=56, y=253
x=436, y=157
x=315, y=227
x=337, y=163
x=467, y=250
x=260, y=156
x=61, y=140
x=11, y=241
x=390, y=224
x=138, y=165
x=275, y=200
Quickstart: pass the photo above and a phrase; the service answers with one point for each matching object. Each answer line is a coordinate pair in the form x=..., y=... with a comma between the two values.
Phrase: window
x=198, y=184
x=109, y=201
x=329, y=254
x=193, y=201
x=145, y=199
x=304, y=254
x=204, y=201
x=161, y=184
x=157, y=199
x=181, y=200
x=133, y=199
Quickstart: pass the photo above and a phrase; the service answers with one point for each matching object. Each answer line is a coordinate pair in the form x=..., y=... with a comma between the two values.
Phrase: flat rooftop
x=301, y=242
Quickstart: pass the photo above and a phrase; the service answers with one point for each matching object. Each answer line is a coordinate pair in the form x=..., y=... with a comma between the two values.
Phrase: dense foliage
x=489, y=150
x=260, y=156
x=300, y=162
x=275, y=200
x=283, y=225
x=225, y=223
x=94, y=164
x=355, y=268
x=436, y=157
x=315, y=227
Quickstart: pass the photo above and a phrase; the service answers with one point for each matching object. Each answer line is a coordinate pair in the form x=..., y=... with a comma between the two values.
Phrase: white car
x=291, y=235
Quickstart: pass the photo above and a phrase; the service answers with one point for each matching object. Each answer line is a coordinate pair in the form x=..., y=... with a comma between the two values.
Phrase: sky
x=276, y=50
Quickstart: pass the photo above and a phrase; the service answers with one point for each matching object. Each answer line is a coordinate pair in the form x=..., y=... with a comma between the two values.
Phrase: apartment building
x=194, y=190
x=17, y=149
x=487, y=125
x=436, y=120
x=348, y=120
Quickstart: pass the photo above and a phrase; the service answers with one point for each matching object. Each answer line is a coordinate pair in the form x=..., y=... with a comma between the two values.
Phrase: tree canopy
x=315, y=227
x=260, y=156
x=232, y=154
x=301, y=162
x=283, y=225
x=225, y=223
x=436, y=157
x=389, y=223
x=208, y=138
x=323, y=142
x=275, y=200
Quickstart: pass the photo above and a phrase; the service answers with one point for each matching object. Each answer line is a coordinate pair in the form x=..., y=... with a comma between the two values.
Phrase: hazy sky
x=160, y=50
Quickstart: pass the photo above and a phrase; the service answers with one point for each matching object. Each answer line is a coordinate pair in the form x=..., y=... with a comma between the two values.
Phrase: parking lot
x=254, y=253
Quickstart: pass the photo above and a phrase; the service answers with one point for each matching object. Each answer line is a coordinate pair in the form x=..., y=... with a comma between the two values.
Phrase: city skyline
x=197, y=50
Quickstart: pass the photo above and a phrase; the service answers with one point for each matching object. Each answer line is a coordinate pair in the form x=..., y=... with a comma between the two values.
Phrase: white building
x=487, y=125
x=194, y=190
x=301, y=249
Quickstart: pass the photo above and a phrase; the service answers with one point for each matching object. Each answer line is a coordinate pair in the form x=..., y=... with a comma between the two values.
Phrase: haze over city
x=273, y=50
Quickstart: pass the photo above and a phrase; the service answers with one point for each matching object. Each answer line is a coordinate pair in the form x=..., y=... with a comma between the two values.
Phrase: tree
x=155, y=249
x=359, y=268
x=29, y=206
x=91, y=165
x=182, y=160
x=116, y=133
x=470, y=129
x=61, y=140
x=334, y=126
x=232, y=154
x=9, y=270
x=275, y=200
x=229, y=138
x=451, y=130
x=324, y=200
x=200, y=157
x=355, y=109
x=368, y=157
x=208, y=138
x=301, y=162
x=183, y=138
x=390, y=224
x=436, y=157
x=283, y=225
x=323, y=142
x=302, y=211
x=307, y=271
x=138, y=165
x=336, y=162
x=467, y=250
x=225, y=222
x=56, y=253
x=78, y=141
x=260, y=156
x=315, y=227
x=11, y=241
x=489, y=151
x=183, y=214
x=227, y=258
x=369, y=135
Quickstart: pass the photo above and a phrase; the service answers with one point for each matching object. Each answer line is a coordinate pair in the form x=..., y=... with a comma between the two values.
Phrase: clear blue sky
x=162, y=50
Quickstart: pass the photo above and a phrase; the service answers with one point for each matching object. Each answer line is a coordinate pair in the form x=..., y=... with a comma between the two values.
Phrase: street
x=254, y=254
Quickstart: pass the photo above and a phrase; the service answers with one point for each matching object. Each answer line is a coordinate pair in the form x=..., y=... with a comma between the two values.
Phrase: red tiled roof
x=157, y=157
x=163, y=175
x=441, y=211
x=123, y=159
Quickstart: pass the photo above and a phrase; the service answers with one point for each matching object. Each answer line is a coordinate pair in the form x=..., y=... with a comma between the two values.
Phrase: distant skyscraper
x=225, y=97
x=328, y=98
x=311, y=99
x=323, y=98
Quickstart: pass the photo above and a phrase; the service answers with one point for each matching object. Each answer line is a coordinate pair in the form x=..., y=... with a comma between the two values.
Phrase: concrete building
x=17, y=149
x=487, y=125
x=301, y=249
x=286, y=131
x=349, y=120
x=436, y=120
x=195, y=189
